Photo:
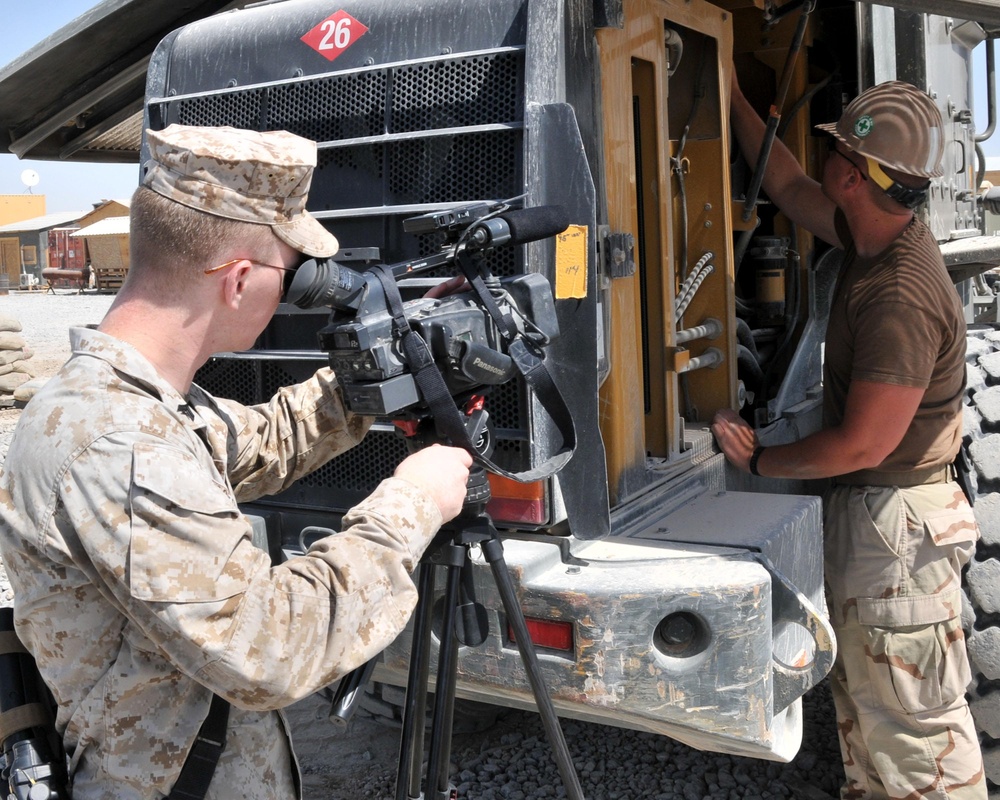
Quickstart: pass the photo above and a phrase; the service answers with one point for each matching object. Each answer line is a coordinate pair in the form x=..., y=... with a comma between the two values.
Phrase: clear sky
x=72, y=186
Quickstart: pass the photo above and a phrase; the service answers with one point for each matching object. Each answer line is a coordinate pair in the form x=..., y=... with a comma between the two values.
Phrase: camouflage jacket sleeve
x=164, y=536
x=269, y=446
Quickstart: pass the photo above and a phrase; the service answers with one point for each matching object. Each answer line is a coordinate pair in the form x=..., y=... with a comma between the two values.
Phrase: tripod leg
x=439, y=751
x=411, y=748
x=348, y=693
x=493, y=552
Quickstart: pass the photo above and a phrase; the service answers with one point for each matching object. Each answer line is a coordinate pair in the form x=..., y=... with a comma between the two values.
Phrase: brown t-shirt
x=896, y=318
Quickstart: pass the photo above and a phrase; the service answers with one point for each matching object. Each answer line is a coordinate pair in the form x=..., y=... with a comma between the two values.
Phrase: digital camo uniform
x=119, y=523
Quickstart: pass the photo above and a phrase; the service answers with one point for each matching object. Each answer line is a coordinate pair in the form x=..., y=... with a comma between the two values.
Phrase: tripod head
x=419, y=431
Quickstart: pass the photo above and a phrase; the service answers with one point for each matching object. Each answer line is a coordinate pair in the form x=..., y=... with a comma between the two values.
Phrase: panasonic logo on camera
x=478, y=362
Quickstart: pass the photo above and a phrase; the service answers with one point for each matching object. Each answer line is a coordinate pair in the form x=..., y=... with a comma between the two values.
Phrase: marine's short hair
x=170, y=244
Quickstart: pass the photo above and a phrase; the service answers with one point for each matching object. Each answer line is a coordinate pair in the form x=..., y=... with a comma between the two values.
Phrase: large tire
x=982, y=576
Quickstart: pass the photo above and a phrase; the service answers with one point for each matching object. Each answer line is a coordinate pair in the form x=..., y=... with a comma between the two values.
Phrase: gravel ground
x=45, y=322
x=512, y=760
x=46, y=319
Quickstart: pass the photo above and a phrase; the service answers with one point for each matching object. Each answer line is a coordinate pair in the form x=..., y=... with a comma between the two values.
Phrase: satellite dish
x=29, y=178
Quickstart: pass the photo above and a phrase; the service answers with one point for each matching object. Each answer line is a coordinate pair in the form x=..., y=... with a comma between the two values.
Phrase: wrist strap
x=755, y=458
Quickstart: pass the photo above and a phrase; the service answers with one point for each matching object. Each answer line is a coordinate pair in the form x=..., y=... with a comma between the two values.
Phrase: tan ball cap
x=896, y=125
x=244, y=175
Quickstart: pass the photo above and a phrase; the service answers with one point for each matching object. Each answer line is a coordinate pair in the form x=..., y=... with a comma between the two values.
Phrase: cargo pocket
x=185, y=531
x=917, y=668
x=953, y=533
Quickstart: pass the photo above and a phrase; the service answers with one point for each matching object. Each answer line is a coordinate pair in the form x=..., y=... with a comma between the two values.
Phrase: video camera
x=467, y=335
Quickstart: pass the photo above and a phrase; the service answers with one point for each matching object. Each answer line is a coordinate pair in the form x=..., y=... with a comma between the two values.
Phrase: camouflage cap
x=245, y=175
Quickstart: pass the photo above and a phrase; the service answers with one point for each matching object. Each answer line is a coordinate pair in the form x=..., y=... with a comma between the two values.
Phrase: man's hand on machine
x=449, y=287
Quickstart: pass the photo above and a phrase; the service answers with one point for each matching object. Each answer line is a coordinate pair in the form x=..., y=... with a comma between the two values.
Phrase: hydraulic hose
x=774, y=117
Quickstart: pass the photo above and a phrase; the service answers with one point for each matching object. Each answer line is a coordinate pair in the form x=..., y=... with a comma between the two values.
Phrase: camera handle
x=463, y=621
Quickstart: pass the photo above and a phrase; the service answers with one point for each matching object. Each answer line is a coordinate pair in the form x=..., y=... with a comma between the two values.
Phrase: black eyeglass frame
x=832, y=147
x=906, y=196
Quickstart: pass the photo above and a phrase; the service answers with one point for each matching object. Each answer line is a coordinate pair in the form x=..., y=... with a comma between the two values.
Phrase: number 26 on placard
x=336, y=34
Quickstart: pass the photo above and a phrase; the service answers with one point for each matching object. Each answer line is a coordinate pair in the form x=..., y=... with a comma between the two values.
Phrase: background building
x=24, y=247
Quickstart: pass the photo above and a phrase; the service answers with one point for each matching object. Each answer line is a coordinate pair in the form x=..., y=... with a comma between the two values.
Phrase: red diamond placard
x=334, y=35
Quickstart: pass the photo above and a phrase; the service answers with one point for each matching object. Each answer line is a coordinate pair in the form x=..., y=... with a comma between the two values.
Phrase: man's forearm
x=821, y=455
x=300, y=429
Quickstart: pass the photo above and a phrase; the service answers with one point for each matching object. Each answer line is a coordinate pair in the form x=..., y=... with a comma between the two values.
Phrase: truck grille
x=392, y=137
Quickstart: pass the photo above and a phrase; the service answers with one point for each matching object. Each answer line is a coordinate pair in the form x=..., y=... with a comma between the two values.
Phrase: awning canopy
x=78, y=95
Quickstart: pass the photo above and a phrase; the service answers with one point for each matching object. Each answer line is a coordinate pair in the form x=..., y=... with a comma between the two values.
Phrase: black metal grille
x=375, y=106
x=477, y=90
x=252, y=380
x=453, y=93
x=361, y=469
x=452, y=169
x=332, y=108
x=235, y=380
x=347, y=478
x=238, y=110
x=504, y=405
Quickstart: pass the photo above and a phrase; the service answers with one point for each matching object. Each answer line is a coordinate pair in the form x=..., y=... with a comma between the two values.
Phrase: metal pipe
x=711, y=358
x=709, y=329
x=742, y=243
x=991, y=92
x=775, y=115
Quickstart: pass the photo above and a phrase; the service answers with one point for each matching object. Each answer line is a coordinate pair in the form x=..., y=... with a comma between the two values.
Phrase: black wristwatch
x=754, y=458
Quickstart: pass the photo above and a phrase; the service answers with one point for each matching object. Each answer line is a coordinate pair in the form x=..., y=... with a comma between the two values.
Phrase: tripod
x=464, y=621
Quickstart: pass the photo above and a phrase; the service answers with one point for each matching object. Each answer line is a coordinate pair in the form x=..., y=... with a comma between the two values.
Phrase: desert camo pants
x=893, y=566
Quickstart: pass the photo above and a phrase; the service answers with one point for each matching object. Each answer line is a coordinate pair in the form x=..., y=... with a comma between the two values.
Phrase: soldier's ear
x=234, y=284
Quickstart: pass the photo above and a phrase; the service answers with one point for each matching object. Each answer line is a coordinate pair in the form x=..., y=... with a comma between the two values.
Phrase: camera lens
x=324, y=282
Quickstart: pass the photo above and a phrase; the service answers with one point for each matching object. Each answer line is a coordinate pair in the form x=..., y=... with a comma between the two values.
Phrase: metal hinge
x=619, y=254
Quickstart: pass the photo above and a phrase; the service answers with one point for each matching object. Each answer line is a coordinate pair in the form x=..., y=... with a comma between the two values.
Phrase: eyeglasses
x=833, y=149
x=284, y=284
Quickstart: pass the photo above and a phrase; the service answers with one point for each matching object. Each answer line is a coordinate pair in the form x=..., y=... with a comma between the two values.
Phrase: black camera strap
x=435, y=392
x=503, y=321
